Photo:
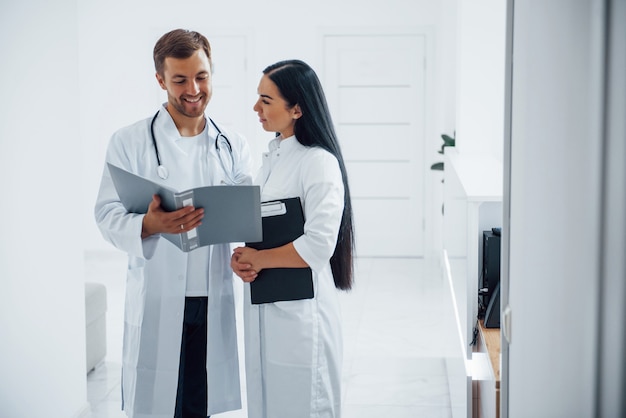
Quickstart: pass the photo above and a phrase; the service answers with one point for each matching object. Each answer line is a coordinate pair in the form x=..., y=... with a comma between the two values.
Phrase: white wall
x=446, y=92
x=555, y=196
x=480, y=83
x=117, y=84
x=42, y=311
x=612, y=363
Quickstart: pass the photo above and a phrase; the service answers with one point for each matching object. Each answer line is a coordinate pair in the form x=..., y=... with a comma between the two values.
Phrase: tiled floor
x=398, y=331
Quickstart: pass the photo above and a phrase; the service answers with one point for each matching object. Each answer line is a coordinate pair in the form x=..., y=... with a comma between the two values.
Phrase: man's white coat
x=157, y=269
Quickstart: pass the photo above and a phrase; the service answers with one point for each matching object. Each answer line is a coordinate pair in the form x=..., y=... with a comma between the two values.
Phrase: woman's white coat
x=294, y=348
x=156, y=285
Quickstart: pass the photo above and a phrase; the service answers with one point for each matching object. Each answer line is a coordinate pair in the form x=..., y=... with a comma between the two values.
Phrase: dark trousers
x=191, y=396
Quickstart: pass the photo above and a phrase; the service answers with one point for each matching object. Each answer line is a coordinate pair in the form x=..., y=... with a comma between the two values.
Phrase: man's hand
x=157, y=221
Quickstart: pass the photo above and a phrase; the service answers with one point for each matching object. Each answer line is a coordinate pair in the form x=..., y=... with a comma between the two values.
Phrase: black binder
x=283, y=222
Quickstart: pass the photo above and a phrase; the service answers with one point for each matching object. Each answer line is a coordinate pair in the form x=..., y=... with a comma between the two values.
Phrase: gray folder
x=231, y=213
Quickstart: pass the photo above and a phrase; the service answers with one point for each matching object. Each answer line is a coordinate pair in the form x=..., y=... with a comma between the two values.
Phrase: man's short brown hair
x=180, y=44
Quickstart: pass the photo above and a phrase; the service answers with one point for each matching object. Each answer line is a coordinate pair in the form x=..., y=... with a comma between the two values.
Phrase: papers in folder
x=283, y=222
x=231, y=213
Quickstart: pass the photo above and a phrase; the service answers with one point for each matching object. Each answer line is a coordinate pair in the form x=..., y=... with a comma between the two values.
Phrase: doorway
x=375, y=86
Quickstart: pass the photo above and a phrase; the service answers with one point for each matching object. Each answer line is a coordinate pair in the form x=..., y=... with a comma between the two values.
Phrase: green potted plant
x=448, y=141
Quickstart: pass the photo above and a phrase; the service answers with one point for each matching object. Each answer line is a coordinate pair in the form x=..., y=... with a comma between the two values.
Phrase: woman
x=294, y=348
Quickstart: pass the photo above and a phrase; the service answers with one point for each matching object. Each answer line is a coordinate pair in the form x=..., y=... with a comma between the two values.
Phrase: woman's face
x=274, y=112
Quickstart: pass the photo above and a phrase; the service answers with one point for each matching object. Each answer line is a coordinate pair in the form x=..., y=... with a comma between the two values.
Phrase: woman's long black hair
x=299, y=85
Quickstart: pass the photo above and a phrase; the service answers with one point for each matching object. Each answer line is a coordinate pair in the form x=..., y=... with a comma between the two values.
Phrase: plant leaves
x=447, y=140
x=437, y=166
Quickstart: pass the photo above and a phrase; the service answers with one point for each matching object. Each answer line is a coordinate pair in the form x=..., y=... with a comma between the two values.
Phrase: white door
x=375, y=85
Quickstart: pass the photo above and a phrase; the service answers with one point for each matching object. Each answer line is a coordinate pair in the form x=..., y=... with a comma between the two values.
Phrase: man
x=180, y=347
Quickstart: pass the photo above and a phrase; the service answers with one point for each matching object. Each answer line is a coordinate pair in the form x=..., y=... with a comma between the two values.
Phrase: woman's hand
x=247, y=262
x=242, y=263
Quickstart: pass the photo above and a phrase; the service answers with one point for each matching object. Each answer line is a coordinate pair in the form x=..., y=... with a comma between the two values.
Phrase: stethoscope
x=227, y=166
